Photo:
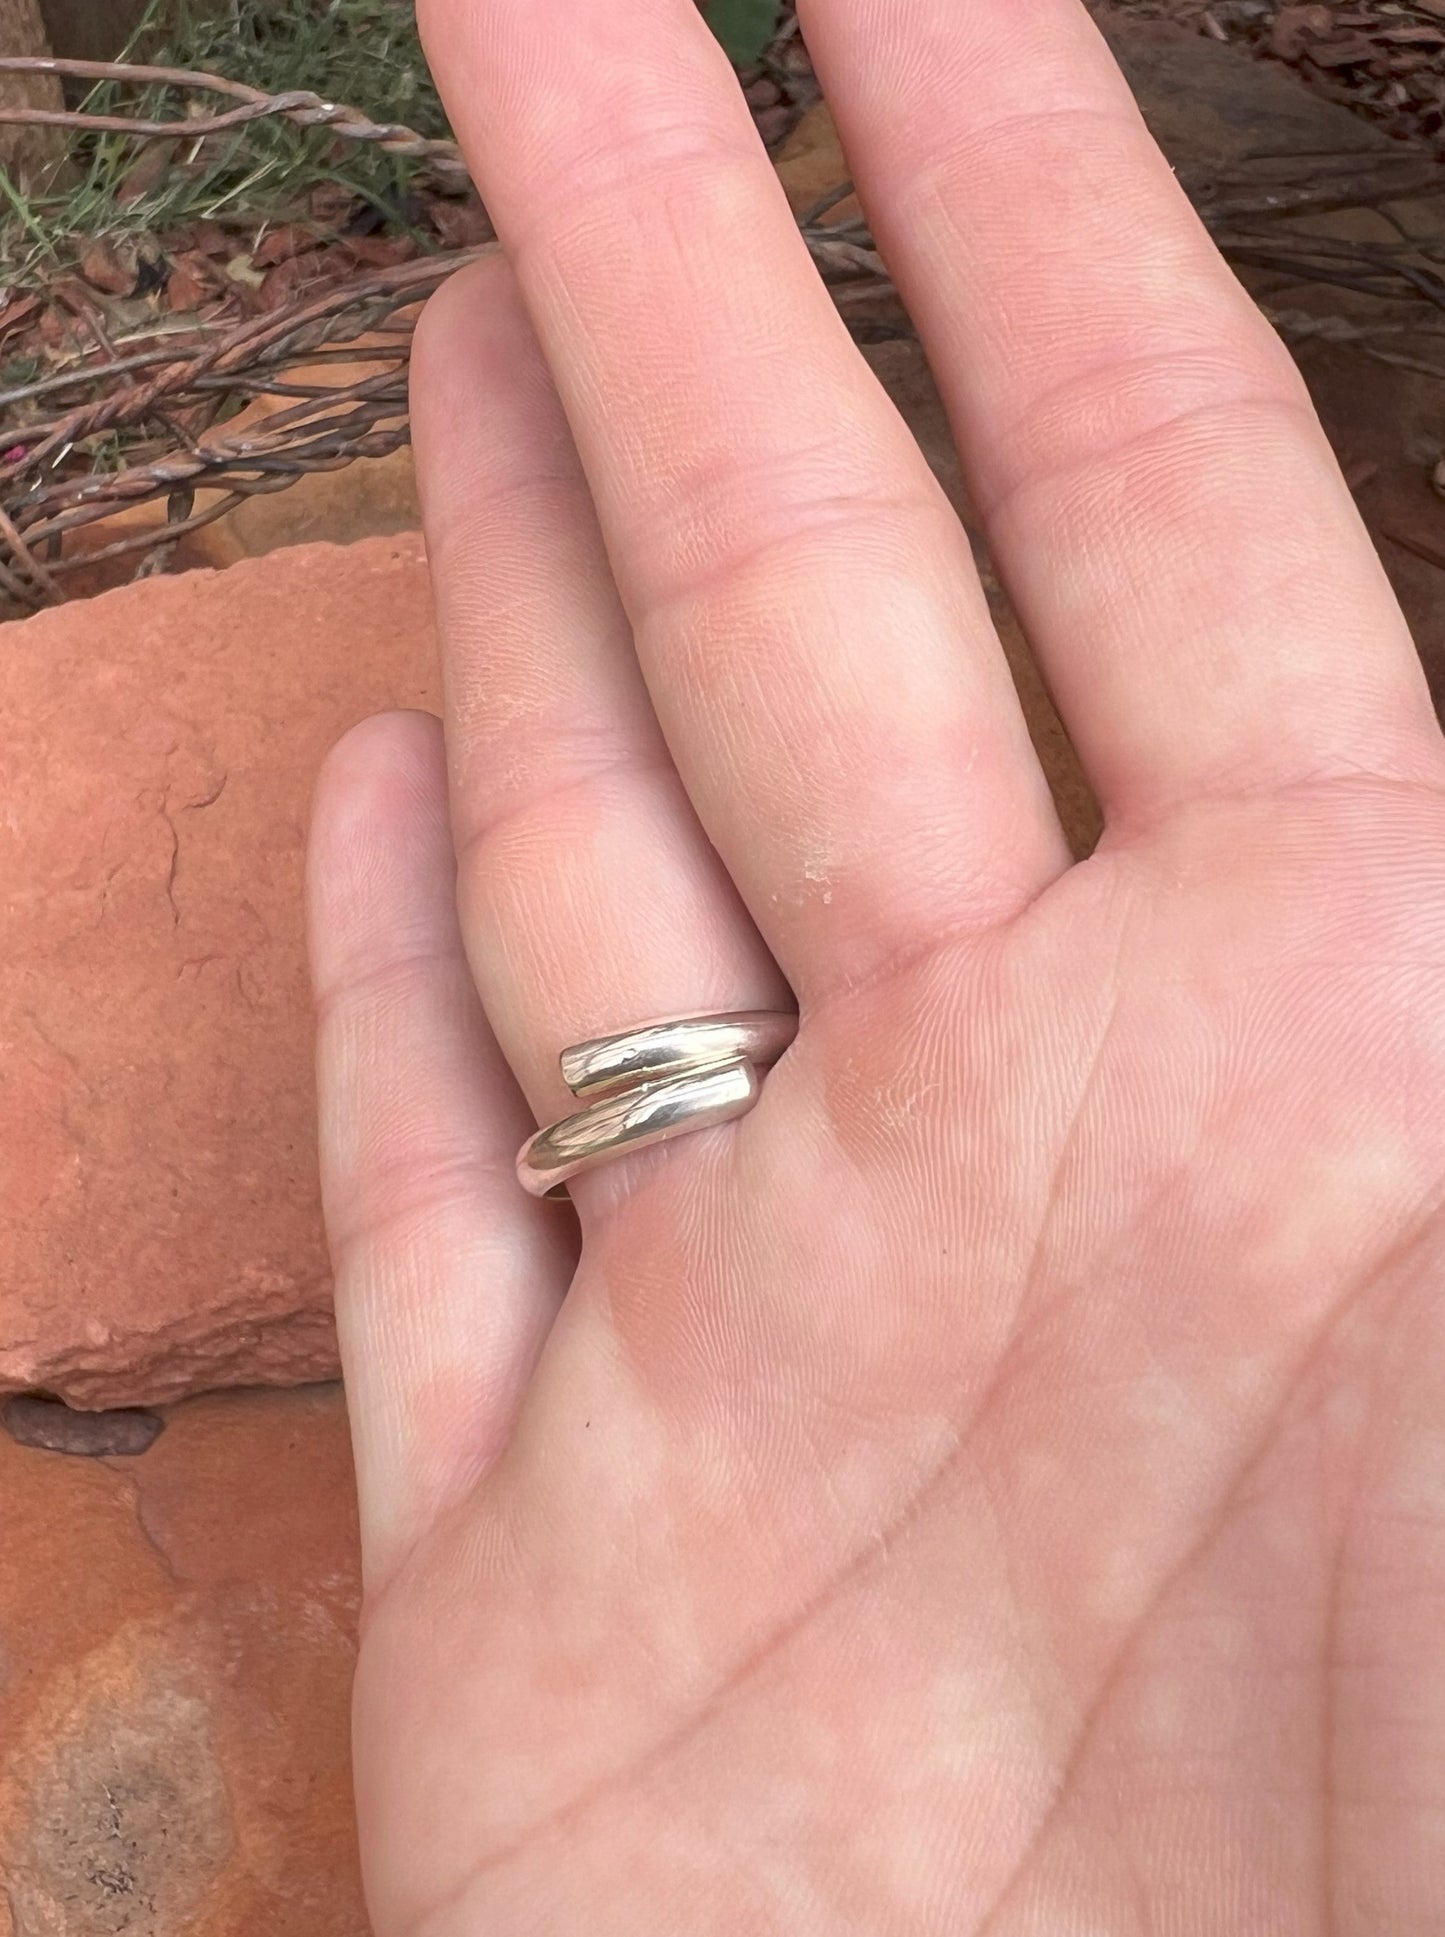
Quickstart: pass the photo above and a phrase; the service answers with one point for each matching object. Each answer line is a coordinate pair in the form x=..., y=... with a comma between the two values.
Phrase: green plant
x=744, y=27
x=366, y=52
x=363, y=51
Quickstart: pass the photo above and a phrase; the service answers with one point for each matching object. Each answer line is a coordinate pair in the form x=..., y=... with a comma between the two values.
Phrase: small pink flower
x=13, y=455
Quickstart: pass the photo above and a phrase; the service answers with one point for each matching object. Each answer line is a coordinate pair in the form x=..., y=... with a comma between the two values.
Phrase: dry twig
x=305, y=109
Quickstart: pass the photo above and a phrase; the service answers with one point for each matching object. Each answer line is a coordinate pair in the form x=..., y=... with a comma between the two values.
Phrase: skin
x=999, y=1486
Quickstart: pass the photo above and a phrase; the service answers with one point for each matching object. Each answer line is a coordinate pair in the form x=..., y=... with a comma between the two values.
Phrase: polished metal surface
x=650, y=1085
x=757, y=1036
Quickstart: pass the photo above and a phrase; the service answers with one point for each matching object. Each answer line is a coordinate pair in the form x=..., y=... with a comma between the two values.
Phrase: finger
x=591, y=898
x=447, y=1277
x=804, y=603
x=1156, y=489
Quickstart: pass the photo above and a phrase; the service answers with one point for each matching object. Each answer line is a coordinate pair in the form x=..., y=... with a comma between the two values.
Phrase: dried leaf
x=209, y=237
x=331, y=204
x=279, y=244
x=1354, y=52
x=55, y=329
x=460, y=225
x=190, y=282
x=1295, y=27
x=380, y=251
x=111, y=266
x=278, y=286
x=149, y=167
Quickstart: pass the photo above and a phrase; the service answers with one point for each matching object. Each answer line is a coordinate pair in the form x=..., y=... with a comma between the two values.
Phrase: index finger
x=806, y=610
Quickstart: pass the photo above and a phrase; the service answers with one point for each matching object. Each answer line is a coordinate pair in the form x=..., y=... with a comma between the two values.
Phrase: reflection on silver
x=650, y=1085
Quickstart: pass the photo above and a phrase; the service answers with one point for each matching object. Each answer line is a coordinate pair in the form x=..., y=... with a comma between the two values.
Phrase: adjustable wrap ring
x=651, y=1084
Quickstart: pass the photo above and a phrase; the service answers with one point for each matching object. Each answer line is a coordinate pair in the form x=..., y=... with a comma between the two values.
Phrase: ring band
x=650, y=1085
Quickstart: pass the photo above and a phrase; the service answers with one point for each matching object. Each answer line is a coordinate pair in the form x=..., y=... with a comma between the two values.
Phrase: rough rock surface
x=176, y=1646
x=159, y=1231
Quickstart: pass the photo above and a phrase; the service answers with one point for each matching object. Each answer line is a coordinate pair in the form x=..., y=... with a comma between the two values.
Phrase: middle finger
x=806, y=611
x=590, y=899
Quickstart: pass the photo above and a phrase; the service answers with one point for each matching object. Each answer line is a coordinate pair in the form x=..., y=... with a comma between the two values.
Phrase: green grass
x=364, y=52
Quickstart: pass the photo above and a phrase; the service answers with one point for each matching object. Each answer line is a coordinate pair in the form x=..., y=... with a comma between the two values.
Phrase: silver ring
x=650, y=1085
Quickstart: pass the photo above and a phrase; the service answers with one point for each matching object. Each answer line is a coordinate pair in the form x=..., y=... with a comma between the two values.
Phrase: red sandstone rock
x=159, y=1226
x=176, y=1647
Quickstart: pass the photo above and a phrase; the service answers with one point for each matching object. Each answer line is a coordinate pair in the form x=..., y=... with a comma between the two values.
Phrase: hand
x=1000, y=1484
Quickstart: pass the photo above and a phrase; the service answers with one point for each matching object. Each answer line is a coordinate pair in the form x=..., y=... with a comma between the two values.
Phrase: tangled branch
x=305, y=109
x=177, y=413
x=180, y=419
x=233, y=409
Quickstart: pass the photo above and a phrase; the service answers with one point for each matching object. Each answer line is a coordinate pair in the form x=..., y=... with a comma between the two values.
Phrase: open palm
x=1000, y=1484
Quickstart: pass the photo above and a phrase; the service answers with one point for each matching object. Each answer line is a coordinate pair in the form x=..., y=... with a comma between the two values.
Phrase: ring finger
x=590, y=897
